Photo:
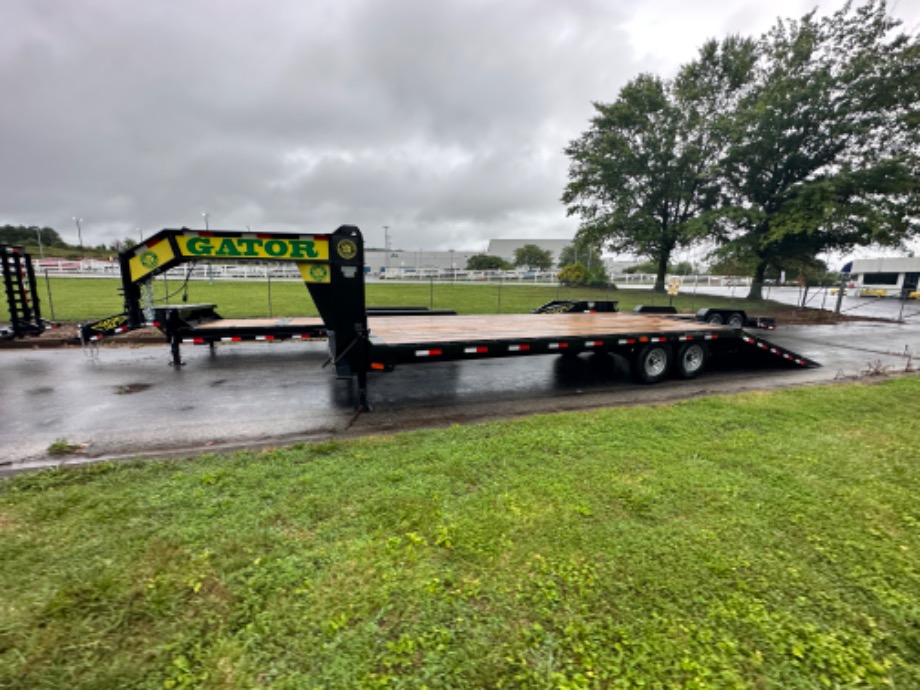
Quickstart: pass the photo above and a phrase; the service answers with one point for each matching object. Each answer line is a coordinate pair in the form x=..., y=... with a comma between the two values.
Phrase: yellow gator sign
x=197, y=246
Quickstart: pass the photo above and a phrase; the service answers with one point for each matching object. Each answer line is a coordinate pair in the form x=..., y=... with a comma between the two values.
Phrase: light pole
x=41, y=250
x=386, y=248
x=79, y=234
x=207, y=228
x=140, y=235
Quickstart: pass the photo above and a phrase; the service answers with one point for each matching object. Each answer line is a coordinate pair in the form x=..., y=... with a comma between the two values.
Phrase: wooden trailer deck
x=422, y=330
x=295, y=322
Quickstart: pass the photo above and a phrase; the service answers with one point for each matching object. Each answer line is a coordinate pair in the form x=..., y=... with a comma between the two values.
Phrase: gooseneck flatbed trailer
x=361, y=341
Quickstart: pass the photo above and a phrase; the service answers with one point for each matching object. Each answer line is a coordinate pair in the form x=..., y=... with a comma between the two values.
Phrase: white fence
x=94, y=268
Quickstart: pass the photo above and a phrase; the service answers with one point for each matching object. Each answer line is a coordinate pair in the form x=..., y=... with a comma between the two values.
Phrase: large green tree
x=531, y=256
x=642, y=171
x=820, y=147
x=486, y=262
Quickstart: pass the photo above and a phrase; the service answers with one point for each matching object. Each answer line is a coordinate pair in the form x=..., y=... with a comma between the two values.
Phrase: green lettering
x=199, y=246
x=276, y=248
x=249, y=246
x=227, y=248
x=303, y=249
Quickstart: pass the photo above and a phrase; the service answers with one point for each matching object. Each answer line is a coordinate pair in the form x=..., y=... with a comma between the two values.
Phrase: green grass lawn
x=85, y=299
x=767, y=540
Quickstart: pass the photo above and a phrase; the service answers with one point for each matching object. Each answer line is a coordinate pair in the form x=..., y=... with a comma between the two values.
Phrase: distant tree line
x=804, y=141
x=47, y=240
x=21, y=235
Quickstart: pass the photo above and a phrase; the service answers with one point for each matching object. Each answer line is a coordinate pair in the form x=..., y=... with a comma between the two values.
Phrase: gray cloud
x=444, y=120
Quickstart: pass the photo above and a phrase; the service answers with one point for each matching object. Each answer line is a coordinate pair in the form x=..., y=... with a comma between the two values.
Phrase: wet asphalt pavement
x=126, y=401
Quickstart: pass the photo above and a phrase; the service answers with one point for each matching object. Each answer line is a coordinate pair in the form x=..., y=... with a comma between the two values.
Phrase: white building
x=885, y=277
x=398, y=260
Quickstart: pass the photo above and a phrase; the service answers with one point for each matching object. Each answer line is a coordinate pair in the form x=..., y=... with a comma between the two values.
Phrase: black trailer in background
x=21, y=294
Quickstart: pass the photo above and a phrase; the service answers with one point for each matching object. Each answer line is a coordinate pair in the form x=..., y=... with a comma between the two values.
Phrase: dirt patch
x=68, y=335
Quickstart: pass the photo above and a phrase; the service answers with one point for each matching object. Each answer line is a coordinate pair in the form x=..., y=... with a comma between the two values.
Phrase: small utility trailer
x=362, y=340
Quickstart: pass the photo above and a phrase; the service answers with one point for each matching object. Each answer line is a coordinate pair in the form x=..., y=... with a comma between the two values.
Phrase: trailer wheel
x=715, y=319
x=691, y=360
x=736, y=320
x=652, y=363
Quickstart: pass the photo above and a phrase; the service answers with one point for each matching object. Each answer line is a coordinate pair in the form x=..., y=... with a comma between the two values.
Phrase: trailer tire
x=653, y=363
x=735, y=320
x=715, y=319
x=691, y=360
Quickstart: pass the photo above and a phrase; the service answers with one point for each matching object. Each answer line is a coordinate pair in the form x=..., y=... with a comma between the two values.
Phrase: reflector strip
x=685, y=338
x=627, y=341
x=593, y=343
x=518, y=348
x=265, y=337
x=475, y=350
x=558, y=346
x=657, y=340
x=377, y=366
x=232, y=339
x=711, y=336
x=427, y=353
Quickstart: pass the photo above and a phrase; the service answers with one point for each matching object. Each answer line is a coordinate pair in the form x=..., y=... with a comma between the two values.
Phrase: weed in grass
x=63, y=447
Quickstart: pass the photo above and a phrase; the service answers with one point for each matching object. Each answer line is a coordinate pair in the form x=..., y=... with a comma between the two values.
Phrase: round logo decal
x=347, y=249
x=149, y=259
x=319, y=273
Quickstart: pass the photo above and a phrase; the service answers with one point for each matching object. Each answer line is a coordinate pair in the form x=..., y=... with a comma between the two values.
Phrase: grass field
x=84, y=299
x=767, y=540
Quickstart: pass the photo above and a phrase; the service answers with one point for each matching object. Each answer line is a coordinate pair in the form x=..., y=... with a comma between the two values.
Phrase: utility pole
x=386, y=248
x=207, y=227
x=79, y=235
x=41, y=250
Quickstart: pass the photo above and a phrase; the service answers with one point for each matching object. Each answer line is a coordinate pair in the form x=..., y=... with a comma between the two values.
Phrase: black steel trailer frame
x=361, y=340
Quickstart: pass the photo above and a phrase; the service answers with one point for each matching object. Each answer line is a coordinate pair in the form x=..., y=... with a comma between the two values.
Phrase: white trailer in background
x=886, y=277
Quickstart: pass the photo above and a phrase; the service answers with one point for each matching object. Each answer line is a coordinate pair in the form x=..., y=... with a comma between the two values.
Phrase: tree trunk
x=662, y=271
x=756, y=291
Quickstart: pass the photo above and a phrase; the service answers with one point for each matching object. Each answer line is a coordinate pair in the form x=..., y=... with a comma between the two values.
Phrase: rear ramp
x=751, y=343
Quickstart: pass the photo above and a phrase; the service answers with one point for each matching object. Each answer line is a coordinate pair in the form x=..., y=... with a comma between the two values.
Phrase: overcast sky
x=444, y=120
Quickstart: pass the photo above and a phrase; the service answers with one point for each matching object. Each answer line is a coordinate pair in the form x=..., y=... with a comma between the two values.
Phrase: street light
x=79, y=234
x=206, y=216
x=386, y=247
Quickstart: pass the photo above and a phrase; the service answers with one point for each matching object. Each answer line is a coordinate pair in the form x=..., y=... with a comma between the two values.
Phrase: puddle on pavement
x=129, y=388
